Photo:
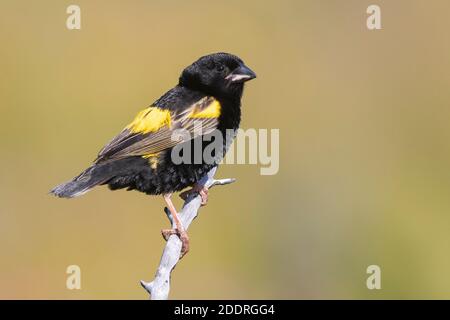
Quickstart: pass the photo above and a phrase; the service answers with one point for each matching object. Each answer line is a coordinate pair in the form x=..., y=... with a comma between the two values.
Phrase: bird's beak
x=241, y=74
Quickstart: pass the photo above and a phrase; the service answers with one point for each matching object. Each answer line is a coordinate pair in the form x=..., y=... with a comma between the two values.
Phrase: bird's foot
x=166, y=233
x=196, y=188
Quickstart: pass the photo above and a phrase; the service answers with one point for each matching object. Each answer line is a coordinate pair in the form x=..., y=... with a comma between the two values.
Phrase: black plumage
x=139, y=158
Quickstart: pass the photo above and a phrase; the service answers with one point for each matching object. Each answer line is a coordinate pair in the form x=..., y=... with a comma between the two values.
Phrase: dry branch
x=160, y=286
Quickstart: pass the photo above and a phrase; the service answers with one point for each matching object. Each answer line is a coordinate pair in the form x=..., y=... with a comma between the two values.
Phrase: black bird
x=208, y=96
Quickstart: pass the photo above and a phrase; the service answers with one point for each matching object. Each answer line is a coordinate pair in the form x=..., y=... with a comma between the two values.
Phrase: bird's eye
x=220, y=67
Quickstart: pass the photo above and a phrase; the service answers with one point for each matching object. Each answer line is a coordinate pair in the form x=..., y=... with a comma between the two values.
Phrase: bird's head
x=220, y=74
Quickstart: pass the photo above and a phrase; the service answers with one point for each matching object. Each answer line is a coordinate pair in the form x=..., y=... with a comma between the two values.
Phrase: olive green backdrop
x=364, y=153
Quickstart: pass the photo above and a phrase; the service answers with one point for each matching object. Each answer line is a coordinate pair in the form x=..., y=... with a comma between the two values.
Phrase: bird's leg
x=179, y=230
x=196, y=188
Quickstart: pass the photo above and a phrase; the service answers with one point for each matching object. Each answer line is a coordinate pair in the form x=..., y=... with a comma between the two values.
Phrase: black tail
x=82, y=183
x=97, y=174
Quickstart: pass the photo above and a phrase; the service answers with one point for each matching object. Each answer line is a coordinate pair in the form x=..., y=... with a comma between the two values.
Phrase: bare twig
x=160, y=286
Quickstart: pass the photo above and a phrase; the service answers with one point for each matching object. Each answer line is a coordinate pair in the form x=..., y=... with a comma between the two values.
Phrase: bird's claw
x=166, y=233
x=200, y=189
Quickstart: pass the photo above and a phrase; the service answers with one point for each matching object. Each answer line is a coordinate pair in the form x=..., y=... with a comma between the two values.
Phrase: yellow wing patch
x=152, y=160
x=150, y=120
x=212, y=110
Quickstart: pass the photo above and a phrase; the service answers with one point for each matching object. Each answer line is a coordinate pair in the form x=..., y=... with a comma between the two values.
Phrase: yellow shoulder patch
x=211, y=110
x=150, y=120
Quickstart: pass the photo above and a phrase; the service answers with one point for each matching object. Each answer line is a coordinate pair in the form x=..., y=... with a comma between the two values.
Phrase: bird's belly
x=161, y=175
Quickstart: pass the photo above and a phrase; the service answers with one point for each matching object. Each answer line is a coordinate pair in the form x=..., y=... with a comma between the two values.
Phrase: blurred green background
x=364, y=154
